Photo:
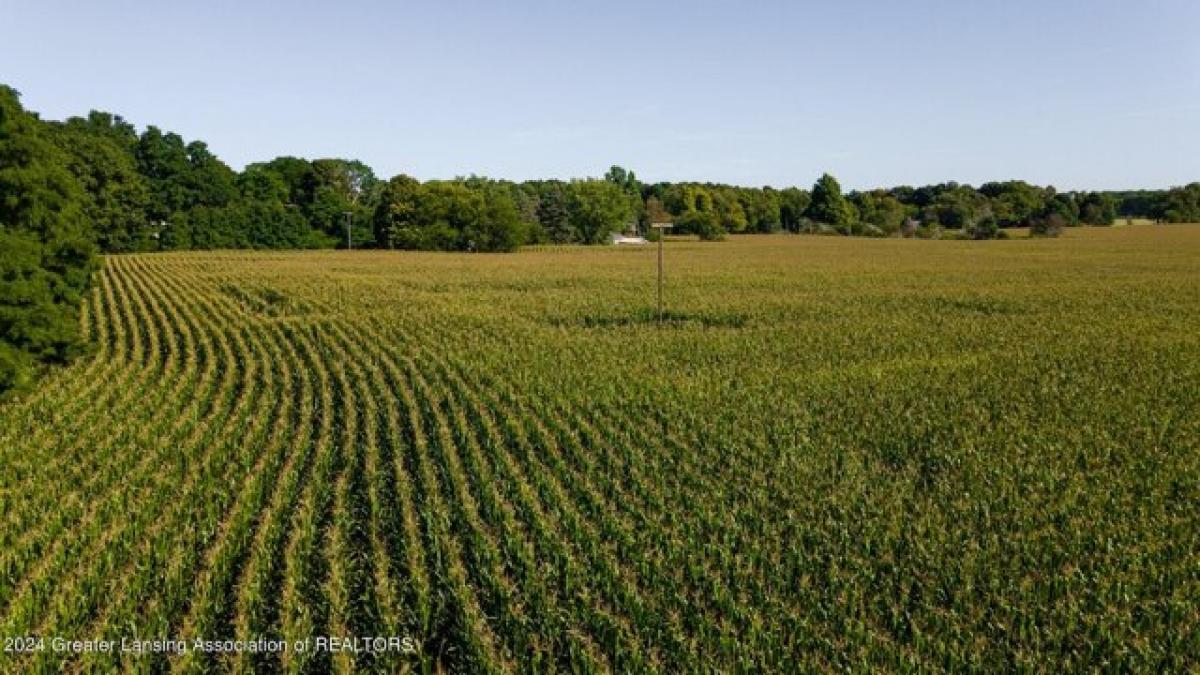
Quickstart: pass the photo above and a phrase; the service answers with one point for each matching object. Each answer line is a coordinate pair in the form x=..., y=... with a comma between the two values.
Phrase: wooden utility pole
x=662, y=234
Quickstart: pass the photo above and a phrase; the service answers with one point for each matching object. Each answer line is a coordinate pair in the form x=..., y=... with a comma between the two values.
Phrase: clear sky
x=1096, y=94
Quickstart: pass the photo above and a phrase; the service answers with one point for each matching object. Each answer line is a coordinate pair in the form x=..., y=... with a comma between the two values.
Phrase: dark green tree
x=1014, y=203
x=46, y=254
x=727, y=206
x=553, y=214
x=596, y=209
x=338, y=187
x=471, y=214
x=296, y=173
x=211, y=181
x=879, y=212
x=1097, y=208
x=762, y=209
x=115, y=195
x=829, y=205
x=1065, y=205
x=395, y=219
x=624, y=179
x=259, y=183
x=956, y=207
x=182, y=177
x=498, y=226
x=793, y=202
x=694, y=210
x=163, y=160
x=1180, y=204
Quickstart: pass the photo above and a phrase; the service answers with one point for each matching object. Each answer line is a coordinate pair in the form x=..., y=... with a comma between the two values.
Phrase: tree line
x=86, y=185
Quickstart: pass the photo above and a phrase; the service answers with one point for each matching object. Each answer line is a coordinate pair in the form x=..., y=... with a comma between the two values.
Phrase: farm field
x=836, y=454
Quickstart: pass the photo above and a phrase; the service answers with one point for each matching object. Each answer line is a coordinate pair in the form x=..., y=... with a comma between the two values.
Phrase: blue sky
x=1082, y=95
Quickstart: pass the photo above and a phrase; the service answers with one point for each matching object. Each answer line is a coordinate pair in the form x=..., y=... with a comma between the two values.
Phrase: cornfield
x=831, y=454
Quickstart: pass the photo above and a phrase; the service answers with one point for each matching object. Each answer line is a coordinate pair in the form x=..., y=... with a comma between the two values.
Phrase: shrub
x=984, y=227
x=1048, y=226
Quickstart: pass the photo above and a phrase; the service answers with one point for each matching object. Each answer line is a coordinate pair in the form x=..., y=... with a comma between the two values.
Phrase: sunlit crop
x=833, y=454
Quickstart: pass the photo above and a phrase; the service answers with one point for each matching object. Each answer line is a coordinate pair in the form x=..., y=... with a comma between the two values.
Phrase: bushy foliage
x=830, y=206
x=46, y=253
x=448, y=216
x=1049, y=225
x=159, y=191
x=955, y=208
x=1098, y=208
x=1014, y=203
x=695, y=211
x=88, y=182
x=116, y=196
x=793, y=202
x=1181, y=204
x=596, y=209
x=880, y=213
x=985, y=226
x=93, y=183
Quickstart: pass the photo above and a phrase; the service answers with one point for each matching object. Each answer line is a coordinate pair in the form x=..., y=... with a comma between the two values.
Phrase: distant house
x=619, y=239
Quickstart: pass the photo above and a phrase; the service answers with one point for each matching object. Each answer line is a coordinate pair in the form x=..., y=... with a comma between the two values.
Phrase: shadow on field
x=980, y=306
x=650, y=317
x=264, y=302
